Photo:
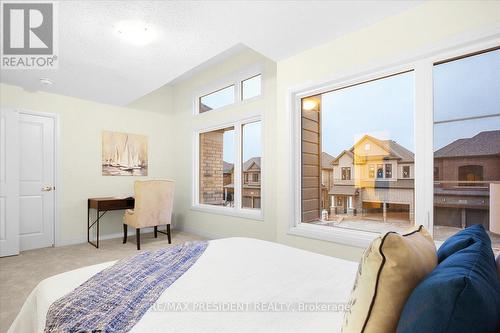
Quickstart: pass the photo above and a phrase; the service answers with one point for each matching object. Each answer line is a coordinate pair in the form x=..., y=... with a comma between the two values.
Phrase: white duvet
x=247, y=285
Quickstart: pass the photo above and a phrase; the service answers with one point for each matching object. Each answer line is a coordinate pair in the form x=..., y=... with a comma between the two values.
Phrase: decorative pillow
x=461, y=240
x=390, y=269
x=461, y=295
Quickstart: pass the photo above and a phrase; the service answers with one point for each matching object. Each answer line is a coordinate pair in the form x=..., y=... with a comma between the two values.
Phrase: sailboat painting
x=124, y=154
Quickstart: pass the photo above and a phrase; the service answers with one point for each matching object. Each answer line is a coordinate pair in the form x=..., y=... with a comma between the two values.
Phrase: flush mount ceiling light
x=135, y=32
x=46, y=82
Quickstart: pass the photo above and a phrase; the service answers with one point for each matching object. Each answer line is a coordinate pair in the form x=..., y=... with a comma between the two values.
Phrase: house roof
x=344, y=152
x=326, y=160
x=483, y=143
x=400, y=183
x=228, y=167
x=394, y=149
x=248, y=164
x=343, y=190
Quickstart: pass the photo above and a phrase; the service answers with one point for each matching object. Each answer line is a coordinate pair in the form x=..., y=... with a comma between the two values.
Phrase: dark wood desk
x=102, y=206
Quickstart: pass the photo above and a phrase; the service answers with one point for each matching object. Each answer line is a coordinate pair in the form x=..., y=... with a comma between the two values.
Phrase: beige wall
x=81, y=124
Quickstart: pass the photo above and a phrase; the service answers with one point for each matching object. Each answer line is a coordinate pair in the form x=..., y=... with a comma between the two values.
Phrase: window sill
x=356, y=238
x=343, y=236
x=230, y=211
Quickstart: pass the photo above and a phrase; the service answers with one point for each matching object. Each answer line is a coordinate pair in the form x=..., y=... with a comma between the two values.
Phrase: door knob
x=47, y=188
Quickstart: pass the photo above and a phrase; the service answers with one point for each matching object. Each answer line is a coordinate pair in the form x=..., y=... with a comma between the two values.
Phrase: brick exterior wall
x=211, y=167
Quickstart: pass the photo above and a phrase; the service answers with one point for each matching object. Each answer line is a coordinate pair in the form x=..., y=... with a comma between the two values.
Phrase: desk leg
x=88, y=221
x=98, y=218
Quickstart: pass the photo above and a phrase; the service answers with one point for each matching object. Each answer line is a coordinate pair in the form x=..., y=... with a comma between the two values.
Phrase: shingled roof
x=482, y=144
x=228, y=167
x=326, y=160
x=395, y=150
x=248, y=164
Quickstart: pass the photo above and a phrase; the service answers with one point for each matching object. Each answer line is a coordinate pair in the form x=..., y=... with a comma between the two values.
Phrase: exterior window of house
x=251, y=165
x=388, y=171
x=216, y=99
x=436, y=173
x=346, y=173
x=371, y=171
x=467, y=144
x=251, y=87
x=470, y=175
x=216, y=162
x=380, y=171
x=255, y=177
x=406, y=171
x=356, y=131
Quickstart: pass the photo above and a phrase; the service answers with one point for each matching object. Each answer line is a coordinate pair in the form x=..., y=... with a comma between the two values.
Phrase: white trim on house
x=421, y=62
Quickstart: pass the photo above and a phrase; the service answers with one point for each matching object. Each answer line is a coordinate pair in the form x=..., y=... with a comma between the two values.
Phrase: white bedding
x=230, y=271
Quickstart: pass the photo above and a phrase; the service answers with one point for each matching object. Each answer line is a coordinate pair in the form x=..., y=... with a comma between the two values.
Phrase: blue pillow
x=461, y=240
x=462, y=294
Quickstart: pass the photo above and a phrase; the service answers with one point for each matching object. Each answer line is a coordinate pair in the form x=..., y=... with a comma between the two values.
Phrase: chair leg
x=125, y=231
x=168, y=234
x=138, y=238
x=156, y=231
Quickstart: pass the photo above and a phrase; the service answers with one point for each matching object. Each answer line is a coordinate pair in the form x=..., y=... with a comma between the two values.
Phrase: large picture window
x=359, y=135
x=367, y=127
x=467, y=145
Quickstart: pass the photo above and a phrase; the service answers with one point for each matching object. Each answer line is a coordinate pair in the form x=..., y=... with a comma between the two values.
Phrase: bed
x=232, y=272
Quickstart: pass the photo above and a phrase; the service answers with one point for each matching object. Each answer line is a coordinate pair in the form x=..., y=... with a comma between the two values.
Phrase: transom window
x=217, y=99
x=243, y=87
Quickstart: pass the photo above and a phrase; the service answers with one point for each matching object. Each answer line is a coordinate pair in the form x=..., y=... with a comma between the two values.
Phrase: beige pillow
x=390, y=269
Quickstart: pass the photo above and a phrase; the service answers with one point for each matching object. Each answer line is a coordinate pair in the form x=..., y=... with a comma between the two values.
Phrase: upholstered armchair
x=153, y=207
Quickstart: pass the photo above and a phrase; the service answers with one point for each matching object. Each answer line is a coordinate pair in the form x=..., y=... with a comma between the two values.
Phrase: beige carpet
x=20, y=274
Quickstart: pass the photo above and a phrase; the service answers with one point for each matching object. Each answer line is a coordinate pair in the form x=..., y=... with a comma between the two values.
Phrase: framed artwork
x=124, y=154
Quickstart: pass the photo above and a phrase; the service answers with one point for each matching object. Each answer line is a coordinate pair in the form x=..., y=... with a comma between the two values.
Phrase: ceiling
x=95, y=64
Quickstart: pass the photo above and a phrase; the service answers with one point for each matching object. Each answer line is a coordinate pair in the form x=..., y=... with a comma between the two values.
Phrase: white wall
x=81, y=124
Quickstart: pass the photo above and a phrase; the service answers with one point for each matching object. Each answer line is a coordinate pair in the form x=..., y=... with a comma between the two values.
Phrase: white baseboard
x=197, y=232
x=83, y=239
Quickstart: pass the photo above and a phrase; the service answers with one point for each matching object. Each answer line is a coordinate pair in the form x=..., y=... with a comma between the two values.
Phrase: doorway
x=34, y=175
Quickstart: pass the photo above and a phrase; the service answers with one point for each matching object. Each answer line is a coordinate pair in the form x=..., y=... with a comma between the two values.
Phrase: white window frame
x=421, y=63
x=237, y=210
x=235, y=79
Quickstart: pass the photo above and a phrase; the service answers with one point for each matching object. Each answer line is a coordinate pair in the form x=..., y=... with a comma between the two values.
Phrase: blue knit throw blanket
x=116, y=298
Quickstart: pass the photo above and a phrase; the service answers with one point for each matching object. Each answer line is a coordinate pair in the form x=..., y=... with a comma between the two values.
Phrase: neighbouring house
x=251, y=183
x=374, y=179
x=463, y=171
x=251, y=191
x=228, y=172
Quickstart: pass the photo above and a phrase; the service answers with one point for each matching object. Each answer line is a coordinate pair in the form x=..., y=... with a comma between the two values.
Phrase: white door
x=36, y=181
x=9, y=183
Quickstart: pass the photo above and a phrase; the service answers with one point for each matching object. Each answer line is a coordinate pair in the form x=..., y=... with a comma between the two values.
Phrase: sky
x=384, y=108
x=252, y=145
